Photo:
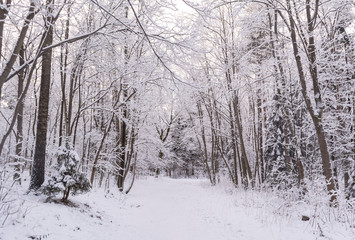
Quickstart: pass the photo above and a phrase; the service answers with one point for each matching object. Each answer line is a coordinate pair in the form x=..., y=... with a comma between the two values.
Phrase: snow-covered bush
x=67, y=177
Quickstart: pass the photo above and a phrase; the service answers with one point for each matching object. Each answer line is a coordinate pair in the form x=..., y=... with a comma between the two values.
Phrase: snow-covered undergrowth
x=287, y=207
x=82, y=218
x=11, y=201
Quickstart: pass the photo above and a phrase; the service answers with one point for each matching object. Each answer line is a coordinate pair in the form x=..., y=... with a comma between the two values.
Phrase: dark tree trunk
x=19, y=134
x=38, y=171
x=134, y=174
x=121, y=126
x=122, y=150
x=3, y=14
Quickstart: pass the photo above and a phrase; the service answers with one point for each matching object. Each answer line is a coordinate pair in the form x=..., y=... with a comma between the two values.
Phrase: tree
x=317, y=111
x=185, y=152
x=68, y=177
x=38, y=171
x=274, y=154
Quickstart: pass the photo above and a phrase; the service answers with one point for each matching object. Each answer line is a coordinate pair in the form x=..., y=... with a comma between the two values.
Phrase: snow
x=160, y=209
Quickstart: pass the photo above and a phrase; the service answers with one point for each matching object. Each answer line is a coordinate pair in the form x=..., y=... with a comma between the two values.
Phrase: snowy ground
x=160, y=209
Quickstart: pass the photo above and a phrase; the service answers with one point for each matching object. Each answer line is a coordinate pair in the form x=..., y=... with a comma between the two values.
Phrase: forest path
x=178, y=209
x=155, y=209
x=186, y=209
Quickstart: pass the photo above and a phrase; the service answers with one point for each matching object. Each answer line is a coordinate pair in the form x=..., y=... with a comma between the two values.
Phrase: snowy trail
x=167, y=209
x=156, y=209
x=172, y=209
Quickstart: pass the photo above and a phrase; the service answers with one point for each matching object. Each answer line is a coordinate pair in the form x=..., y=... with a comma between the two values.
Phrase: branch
x=71, y=40
x=11, y=61
x=152, y=47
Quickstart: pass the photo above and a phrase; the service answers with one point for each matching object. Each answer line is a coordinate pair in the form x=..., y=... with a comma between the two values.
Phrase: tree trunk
x=3, y=14
x=63, y=78
x=316, y=116
x=38, y=168
x=234, y=145
x=122, y=152
x=260, y=138
x=122, y=148
x=134, y=174
x=244, y=159
x=19, y=134
x=94, y=166
x=204, y=147
x=121, y=126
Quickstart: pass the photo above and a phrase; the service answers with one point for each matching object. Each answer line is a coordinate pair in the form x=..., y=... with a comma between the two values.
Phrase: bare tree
x=38, y=171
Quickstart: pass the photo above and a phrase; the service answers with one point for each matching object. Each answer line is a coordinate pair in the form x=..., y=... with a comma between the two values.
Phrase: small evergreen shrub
x=67, y=177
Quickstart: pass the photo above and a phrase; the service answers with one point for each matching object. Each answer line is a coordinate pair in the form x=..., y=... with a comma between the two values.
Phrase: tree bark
x=3, y=14
x=38, y=168
x=122, y=149
x=134, y=174
x=19, y=133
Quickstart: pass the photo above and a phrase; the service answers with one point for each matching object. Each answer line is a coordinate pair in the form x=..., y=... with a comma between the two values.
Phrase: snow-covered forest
x=177, y=119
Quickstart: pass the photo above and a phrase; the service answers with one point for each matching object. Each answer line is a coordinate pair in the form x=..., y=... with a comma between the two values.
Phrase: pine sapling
x=67, y=178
